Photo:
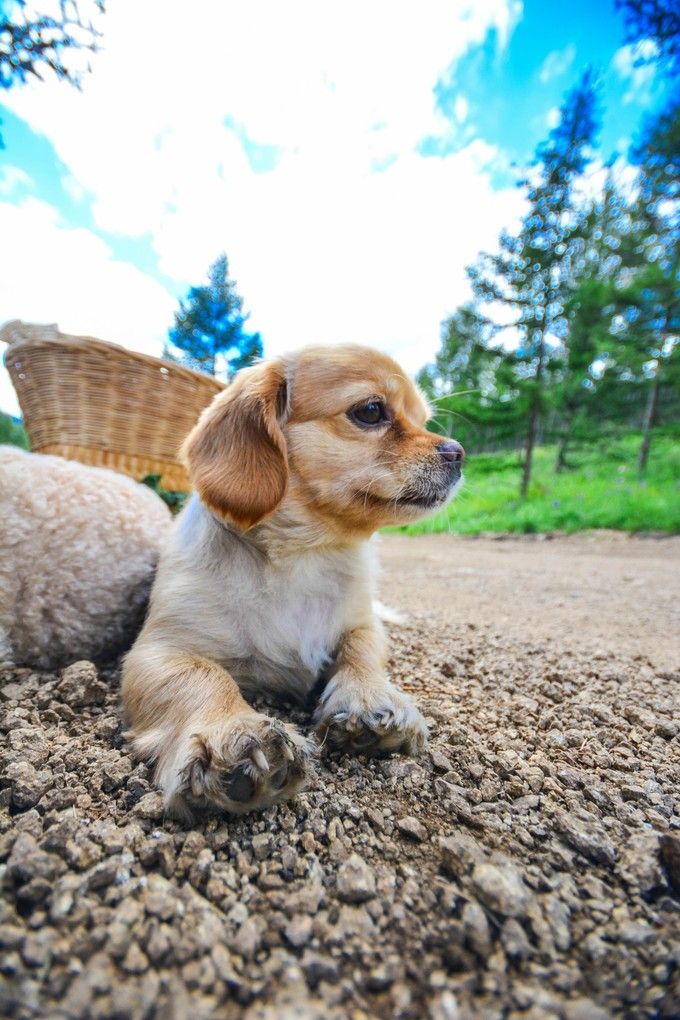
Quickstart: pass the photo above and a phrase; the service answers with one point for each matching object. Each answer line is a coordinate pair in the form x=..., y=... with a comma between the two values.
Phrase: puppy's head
x=337, y=433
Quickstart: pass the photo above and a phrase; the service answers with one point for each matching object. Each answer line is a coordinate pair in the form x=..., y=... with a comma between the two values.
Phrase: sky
x=350, y=158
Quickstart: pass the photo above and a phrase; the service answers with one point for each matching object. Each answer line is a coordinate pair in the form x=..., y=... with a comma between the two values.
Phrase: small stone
x=460, y=852
x=224, y=967
x=514, y=939
x=37, y=948
x=585, y=1009
x=582, y=833
x=501, y=888
x=639, y=864
x=161, y=903
x=149, y=806
x=307, y=899
x=135, y=961
x=262, y=846
x=355, y=881
x=444, y=1007
x=298, y=931
x=308, y=842
x=635, y=933
x=289, y=858
x=11, y=936
x=666, y=728
x=28, y=784
x=29, y=744
x=440, y=761
x=669, y=851
x=80, y=685
x=353, y=921
x=317, y=968
x=412, y=828
x=246, y=941
x=113, y=871
x=558, y=916
x=476, y=929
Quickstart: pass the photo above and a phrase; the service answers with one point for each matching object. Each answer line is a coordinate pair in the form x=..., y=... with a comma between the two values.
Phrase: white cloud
x=51, y=273
x=552, y=117
x=556, y=63
x=323, y=248
x=627, y=63
x=461, y=109
x=12, y=177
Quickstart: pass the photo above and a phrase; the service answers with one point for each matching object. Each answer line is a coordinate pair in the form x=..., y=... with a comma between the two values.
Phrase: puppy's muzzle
x=453, y=456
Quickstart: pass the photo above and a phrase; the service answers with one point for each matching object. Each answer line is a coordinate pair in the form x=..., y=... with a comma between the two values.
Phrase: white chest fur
x=273, y=619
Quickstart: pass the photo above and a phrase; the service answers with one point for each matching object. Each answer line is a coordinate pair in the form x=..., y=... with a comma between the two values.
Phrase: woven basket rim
x=54, y=338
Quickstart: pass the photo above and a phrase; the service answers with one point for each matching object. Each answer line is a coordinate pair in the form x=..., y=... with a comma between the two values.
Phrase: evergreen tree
x=209, y=333
x=651, y=290
x=472, y=384
x=31, y=42
x=528, y=273
x=658, y=20
x=590, y=304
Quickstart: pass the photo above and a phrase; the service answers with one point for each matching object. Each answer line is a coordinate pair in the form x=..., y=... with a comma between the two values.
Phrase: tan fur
x=268, y=579
x=236, y=454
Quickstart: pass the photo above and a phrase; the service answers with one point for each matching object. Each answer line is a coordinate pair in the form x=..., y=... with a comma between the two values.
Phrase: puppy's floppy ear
x=236, y=453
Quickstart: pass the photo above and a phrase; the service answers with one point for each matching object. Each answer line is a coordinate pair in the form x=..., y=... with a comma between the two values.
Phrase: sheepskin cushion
x=78, y=550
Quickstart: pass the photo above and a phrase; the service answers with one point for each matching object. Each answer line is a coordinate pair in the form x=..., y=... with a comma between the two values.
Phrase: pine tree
x=209, y=333
x=652, y=290
x=658, y=21
x=31, y=42
x=472, y=383
x=528, y=273
x=590, y=304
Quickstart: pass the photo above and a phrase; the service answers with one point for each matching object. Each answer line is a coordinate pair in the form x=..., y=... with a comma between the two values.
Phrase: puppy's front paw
x=246, y=762
x=373, y=719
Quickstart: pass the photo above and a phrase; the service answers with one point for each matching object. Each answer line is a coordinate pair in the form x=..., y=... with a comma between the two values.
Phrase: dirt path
x=526, y=868
x=597, y=592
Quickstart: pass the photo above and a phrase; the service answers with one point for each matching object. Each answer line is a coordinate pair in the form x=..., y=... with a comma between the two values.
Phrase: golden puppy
x=266, y=583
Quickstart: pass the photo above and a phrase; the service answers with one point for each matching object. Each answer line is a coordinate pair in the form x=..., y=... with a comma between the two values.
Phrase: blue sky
x=351, y=159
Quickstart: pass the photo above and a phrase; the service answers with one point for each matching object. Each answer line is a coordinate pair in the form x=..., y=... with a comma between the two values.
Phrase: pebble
x=355, y=881
x=460, y=852
x=669, y=849
x=262, y=846
x=298, y=931
x=585, y=835
x=412, y=828
x=528, y=870
x=81, y=686
x=501, y=888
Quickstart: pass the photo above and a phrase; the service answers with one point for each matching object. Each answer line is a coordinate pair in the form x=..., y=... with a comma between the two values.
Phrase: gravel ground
x=527, y=866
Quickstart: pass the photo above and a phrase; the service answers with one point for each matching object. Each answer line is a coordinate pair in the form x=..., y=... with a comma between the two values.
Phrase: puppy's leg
x=210, y=748
x=360, y=709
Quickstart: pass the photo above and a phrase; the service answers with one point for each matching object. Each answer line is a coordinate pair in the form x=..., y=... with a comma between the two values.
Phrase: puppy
x=266, y=583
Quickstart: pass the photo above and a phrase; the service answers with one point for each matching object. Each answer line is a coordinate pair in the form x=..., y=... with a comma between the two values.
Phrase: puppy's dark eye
x=371, y=413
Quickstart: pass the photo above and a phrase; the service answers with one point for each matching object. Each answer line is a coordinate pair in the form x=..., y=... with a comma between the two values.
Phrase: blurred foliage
x=209, y=333
x=175, y=500
x=656, y=22
x=32, y=42
x=13, y=432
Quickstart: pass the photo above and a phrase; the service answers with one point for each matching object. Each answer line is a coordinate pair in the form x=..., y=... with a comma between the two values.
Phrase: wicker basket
x=98, y=403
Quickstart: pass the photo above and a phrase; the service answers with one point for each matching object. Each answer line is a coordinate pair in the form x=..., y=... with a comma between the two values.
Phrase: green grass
x=602, y=490
x=12, y=433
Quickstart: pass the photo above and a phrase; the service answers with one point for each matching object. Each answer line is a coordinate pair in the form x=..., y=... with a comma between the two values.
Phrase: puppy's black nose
x=452, y=451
